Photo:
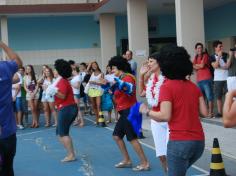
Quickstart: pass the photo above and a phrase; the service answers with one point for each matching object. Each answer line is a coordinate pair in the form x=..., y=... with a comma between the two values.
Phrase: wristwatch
x=147, y=113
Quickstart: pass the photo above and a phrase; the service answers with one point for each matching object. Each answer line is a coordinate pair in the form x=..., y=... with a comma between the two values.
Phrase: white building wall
x=41, y=57
x=4, y=33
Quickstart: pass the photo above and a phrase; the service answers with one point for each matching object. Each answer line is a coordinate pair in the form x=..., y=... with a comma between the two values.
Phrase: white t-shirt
x=46, y=83
x=220, y=74
x=17, y=84
x=74, y=82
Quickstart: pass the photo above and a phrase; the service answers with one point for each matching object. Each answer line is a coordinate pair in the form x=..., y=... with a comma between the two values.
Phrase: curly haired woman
x=180, y=102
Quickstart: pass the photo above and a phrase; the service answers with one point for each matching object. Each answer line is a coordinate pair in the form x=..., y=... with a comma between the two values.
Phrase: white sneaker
x=20, y=127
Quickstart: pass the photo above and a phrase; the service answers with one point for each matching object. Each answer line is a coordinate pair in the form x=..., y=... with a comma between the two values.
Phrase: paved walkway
x=213, y=128
x=39, y=154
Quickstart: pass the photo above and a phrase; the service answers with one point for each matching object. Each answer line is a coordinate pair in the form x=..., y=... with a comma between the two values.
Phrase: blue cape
x=135, y=118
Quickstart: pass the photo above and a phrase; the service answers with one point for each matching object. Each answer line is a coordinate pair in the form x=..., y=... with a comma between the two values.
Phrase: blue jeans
x=206, y=87
x=66, y=116
x=182, y=154
x=17, y=105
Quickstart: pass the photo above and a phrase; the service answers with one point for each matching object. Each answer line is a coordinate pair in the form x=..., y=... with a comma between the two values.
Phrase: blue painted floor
x=39, y=154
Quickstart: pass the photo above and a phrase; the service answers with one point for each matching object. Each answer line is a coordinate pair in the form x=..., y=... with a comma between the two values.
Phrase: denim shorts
x=77, y=96
x=17, y=105
x=66, y=116
x=182, y=154
x=85, y=99
x=206, y=87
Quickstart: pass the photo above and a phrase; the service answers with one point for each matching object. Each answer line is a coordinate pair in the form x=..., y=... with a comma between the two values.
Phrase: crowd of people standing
x=163, y=77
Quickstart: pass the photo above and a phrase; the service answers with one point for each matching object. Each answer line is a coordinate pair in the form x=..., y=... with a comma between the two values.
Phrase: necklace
x=153, y=90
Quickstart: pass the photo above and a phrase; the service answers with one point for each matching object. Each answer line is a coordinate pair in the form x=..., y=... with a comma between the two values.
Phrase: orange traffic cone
x=217, y=165
x=101, y=120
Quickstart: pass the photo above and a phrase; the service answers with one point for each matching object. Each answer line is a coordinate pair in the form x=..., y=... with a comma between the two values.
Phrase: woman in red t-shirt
x=125, y=98
x=180, y=101
x=66, y=106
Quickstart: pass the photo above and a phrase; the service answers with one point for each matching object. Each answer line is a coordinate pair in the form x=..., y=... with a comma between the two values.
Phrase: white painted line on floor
x=153, y=148
x=39, y=131
x=223, y=153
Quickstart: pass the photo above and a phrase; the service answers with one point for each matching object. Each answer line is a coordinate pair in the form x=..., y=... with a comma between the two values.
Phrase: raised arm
x=142, y=78
x=229, y=110
x=11, y=54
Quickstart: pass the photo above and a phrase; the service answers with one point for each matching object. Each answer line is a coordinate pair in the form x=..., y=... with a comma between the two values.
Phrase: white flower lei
x=153, y=101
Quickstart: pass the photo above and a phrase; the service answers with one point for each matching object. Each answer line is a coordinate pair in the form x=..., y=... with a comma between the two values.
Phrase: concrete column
x=189, y=23
x=138, y=28
x=108, y=38
x=3, y=2
x=4, y=33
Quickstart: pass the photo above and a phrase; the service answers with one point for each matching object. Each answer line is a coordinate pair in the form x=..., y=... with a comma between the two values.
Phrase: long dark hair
x=97, y=66
x=32, y=73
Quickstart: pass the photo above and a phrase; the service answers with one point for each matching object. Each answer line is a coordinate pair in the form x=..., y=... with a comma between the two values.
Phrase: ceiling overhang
x=50, y=8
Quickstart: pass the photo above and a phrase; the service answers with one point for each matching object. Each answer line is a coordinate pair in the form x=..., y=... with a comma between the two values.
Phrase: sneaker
x=218, y=115
x=20, y=127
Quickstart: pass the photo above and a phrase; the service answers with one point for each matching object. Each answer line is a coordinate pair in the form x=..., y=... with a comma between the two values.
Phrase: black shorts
x=123, y=127
x=7, y=153
x=220, y=88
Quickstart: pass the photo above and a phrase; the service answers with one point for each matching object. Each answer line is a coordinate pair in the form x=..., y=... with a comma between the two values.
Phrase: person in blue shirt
x=7, y=119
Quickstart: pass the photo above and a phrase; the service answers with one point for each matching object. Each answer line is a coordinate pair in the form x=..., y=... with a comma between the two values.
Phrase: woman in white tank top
x=48, y=102
x=95, y=90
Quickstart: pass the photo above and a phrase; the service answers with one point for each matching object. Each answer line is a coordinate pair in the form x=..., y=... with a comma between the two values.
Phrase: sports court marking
x=34, y=132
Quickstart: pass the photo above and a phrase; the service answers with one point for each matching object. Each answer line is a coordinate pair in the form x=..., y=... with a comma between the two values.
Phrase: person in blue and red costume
x=125, y=83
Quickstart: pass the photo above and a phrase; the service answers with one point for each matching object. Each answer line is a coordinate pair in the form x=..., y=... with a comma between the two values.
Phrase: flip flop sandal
x=141, y=168
x=123, y=165
x=66, y=159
